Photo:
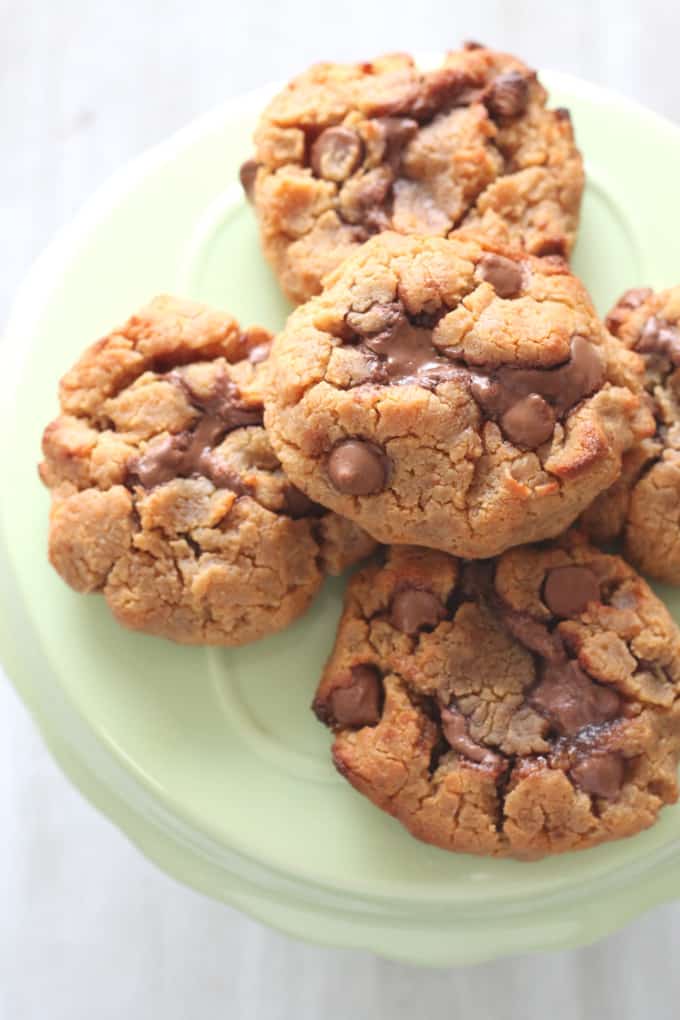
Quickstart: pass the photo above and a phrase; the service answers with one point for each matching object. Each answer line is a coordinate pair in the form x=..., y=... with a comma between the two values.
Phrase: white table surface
x=89, y=929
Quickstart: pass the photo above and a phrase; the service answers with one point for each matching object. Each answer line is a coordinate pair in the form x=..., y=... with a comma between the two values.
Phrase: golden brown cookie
x=166, y=494
x=348, y=150
x=643, y=507
x=453, y=394
x=521, y=706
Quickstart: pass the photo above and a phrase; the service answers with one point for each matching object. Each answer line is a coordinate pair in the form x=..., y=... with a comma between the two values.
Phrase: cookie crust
x=643, y=507
x=507, y=717
x=166, y=494
x=491, y=403
x=348, y=150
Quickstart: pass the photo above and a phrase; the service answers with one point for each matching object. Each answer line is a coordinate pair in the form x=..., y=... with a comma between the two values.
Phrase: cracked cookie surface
x=454, y=394
x=166, y=494
x=520, y=706
x=347, y=151
x=643, y=507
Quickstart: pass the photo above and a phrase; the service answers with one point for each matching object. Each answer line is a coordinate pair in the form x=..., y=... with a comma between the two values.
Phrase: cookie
x=348, y=150
x=166, y=494
x=454, y=394
x=521, y=706
x=643, y=507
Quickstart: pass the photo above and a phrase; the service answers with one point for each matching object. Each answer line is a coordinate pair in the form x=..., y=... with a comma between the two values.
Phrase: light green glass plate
x=210, y=760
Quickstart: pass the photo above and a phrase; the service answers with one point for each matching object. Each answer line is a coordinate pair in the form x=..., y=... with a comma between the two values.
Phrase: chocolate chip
x=409, y=354
x=220, y=474
x=382, y=316
x=358, y=703
x=497, y=394
x=600, y=774
x=529, y=422
x=571, y=700
x=357, y=468
x=568, y=590
x=564, y=386
x=190, y=452
x=562, y=113
x=504, y=275
x=445, y=87
x=396, y=132
x=297, y=504
x=507, y=95
x=247, y=175
x=161, y=462
x=336, y=153
x=527, y=401
x=414, y=609
x=470, y=44
x=628, y=301
x=535, y=636
x=492, y=397
x=363, y=198
x=582, y=375
x=185, y=455
x=658, y=336
x=223, y=408
x=454, y=728
x=404, y=347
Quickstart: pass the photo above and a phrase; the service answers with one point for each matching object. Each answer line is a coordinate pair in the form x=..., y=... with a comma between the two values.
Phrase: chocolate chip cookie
x=643, y=507
x=454, y=394
x=348, y=150
x=520, y=706
x=166, y=494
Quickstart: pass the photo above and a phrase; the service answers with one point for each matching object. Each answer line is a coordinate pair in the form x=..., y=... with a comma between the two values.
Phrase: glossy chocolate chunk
x=454, y=728
x=380, y=317
x=658, y=336
x=357, y=468
x=336, y=153
x=529, y=422
x=408, y=353
x=396, y=132
x=358, y=703
x=535, y=636
x=632, y=299
x=528, y=401
x=414, y=609
x=162, y=461
x=562, y=387
x=600, y=774
x=568, y=590
x=191, y=452
x=571, y=700
x=504, y=275
x=508, y=95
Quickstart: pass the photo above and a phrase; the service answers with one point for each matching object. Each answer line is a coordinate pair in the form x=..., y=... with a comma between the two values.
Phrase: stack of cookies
x=443, y=399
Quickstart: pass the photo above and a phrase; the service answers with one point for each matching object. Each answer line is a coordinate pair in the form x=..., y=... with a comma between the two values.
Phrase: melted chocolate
x=526, y=402
x=191, y=453
x=658, y=336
